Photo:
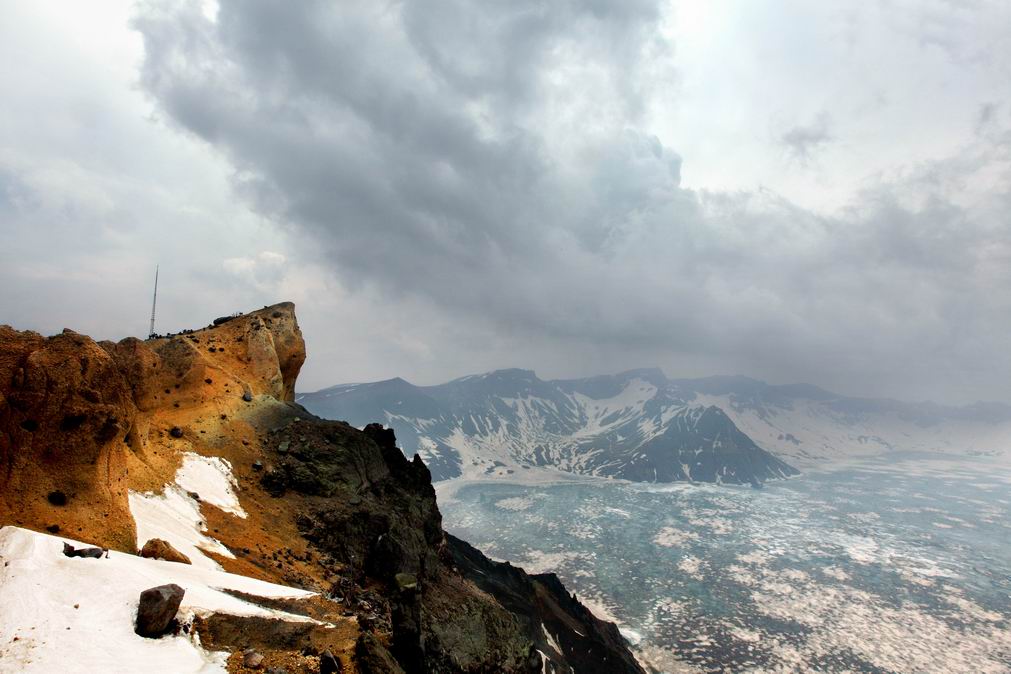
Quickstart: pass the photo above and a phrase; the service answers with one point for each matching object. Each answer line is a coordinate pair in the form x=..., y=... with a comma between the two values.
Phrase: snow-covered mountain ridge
x=643, y=426
x=630, y=425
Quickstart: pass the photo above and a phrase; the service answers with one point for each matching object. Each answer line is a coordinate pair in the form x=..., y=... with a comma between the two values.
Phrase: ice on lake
x=897, y=565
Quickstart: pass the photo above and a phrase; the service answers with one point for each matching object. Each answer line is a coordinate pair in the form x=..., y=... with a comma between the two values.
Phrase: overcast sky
x=796, y=191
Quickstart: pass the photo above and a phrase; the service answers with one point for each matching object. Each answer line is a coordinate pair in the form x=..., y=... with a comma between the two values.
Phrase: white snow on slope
x=607, y=413
x=174, y=515
x=41, y=586
x=501, y=445
x=210, y=477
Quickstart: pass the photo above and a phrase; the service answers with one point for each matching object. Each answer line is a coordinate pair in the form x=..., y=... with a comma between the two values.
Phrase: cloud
x=265, y=270
x=490, y=163
x=802, y=141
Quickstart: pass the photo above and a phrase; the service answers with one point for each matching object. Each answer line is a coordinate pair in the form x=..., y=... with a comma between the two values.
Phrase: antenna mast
x=154, y=302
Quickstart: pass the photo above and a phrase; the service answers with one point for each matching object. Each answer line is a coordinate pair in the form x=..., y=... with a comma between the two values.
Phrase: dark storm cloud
x=489, y=158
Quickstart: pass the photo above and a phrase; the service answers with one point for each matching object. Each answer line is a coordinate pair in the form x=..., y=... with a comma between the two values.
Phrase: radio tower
x=154, y=303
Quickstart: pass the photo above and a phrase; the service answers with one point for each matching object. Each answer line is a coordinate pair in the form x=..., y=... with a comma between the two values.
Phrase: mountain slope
x=632, y=425
x=194, y=439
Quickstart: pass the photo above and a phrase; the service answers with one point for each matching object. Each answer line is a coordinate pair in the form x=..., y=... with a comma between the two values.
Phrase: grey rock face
x=157, y=609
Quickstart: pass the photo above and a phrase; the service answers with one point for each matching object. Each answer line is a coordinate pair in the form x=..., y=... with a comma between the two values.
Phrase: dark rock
x=247, y=396
x=258, y=465
x=157, y=609
x=89, y=553
x=53, y=528
x=57, y=498
x=156, y=548
x=110, y=429
x=72, y=422
x=408, y=642
x=328, y=664
x=176, y=432
x=222, y=320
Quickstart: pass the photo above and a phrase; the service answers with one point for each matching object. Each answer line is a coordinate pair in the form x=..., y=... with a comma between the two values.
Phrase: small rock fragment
x=176, y=432
x=247, y=396
x=157, y=609
x=92, y=553
x=57, y=498
x=251, y=659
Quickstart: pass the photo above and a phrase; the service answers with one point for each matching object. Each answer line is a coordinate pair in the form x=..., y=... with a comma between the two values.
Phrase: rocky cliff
x=195, y=437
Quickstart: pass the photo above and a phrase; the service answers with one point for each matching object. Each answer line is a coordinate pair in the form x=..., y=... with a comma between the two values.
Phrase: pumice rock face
x=77, y=415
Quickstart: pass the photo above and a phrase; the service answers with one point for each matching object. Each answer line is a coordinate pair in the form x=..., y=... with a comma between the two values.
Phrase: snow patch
x=41, y=587
x=211, y=477
x=174, y=515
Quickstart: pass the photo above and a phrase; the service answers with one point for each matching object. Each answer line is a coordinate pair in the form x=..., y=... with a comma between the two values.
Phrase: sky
x=794, y=191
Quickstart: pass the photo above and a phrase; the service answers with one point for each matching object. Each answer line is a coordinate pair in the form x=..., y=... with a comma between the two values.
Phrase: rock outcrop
x=323, y=506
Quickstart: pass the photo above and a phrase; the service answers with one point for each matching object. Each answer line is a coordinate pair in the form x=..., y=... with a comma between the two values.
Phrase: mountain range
x=641, y=425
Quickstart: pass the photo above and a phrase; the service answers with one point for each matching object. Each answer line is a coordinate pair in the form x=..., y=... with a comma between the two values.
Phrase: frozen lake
x=897, y=565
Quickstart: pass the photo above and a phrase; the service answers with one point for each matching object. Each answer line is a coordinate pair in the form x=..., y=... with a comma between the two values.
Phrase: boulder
x=157, y=609
x=156, y=548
